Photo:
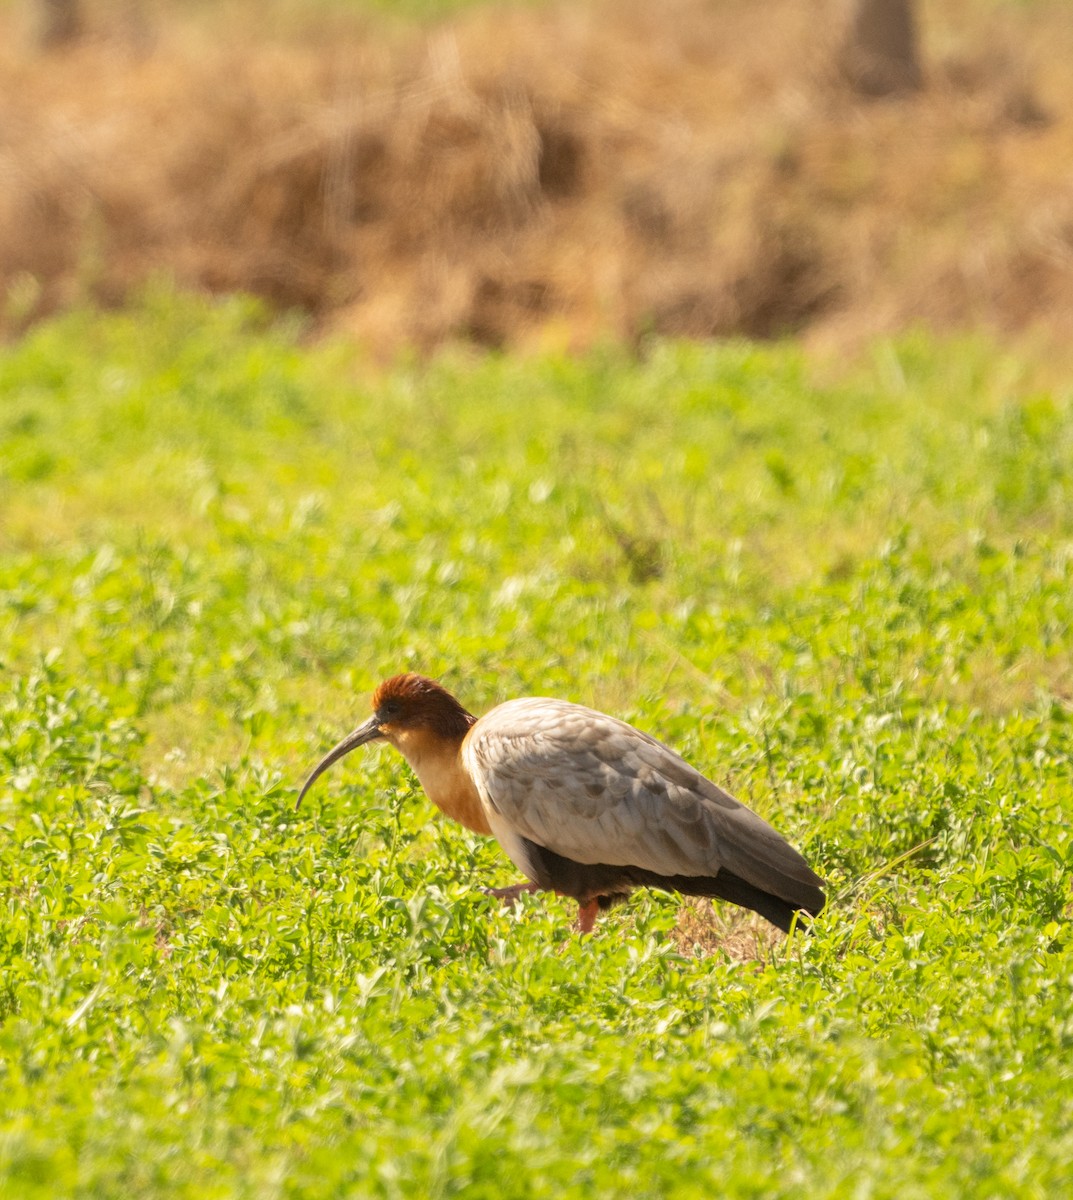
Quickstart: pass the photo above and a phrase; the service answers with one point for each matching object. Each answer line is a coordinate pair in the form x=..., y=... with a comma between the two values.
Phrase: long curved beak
x=368, y=732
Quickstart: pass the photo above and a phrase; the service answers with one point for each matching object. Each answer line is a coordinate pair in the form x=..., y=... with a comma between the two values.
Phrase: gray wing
x=595, y=790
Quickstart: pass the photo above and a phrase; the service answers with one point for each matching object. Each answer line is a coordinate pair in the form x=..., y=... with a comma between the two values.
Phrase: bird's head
x=408, y=710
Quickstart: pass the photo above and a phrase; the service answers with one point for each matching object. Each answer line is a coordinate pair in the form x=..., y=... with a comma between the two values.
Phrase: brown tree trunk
x=56, y=22
x=878, y=56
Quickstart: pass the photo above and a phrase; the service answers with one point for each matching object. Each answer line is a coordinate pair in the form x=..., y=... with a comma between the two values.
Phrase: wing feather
x=595, y=790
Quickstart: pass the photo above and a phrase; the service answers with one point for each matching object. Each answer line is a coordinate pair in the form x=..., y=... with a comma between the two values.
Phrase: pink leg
x=586, y=916
x=509, y=894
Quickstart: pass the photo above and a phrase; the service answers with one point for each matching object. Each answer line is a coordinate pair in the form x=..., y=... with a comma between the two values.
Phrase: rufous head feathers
x=416, y=702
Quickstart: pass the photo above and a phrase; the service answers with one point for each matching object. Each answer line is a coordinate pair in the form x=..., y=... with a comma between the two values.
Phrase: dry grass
x=706, y=928
x=547, y=174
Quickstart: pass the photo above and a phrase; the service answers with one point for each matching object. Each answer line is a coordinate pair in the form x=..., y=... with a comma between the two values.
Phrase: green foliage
x=849, y=599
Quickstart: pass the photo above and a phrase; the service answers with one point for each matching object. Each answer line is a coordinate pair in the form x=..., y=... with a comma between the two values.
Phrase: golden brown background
x=547, y=174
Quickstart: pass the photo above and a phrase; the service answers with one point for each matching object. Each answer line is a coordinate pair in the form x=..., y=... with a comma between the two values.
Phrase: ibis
x=585, y=805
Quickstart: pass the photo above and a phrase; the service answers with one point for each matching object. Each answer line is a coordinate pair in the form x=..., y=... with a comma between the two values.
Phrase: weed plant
x=845, y=595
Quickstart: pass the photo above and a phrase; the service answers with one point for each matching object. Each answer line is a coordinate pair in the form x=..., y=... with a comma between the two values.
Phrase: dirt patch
x=550, y=174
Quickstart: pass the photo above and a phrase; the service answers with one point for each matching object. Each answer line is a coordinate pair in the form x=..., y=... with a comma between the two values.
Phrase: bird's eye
x=389, y=710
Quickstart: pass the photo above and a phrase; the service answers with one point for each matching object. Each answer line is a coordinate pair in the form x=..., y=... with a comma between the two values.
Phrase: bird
x=584, y=804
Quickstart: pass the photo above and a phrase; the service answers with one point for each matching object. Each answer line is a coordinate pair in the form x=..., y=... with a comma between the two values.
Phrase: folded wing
x=593, y=789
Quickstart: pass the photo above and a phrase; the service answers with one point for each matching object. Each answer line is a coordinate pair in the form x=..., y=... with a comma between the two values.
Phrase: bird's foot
x=586, y=916
x=509, y=894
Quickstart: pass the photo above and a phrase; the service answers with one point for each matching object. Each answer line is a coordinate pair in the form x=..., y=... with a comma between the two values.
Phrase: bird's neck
x=437, y=763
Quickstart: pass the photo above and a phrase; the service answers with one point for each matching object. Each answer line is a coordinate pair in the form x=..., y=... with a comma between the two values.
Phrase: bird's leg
x=586, y=916
x=509, y=894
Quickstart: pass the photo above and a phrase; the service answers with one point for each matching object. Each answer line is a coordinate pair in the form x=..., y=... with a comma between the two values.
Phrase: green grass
x=846, y=595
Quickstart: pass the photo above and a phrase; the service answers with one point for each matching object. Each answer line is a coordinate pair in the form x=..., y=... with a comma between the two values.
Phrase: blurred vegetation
x=543, y=175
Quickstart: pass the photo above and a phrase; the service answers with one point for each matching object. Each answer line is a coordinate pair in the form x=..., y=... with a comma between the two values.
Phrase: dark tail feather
x=609, y=884
x=728, y=886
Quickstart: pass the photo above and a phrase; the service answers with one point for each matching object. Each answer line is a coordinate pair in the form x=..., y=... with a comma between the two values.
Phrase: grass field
x=845, y=593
